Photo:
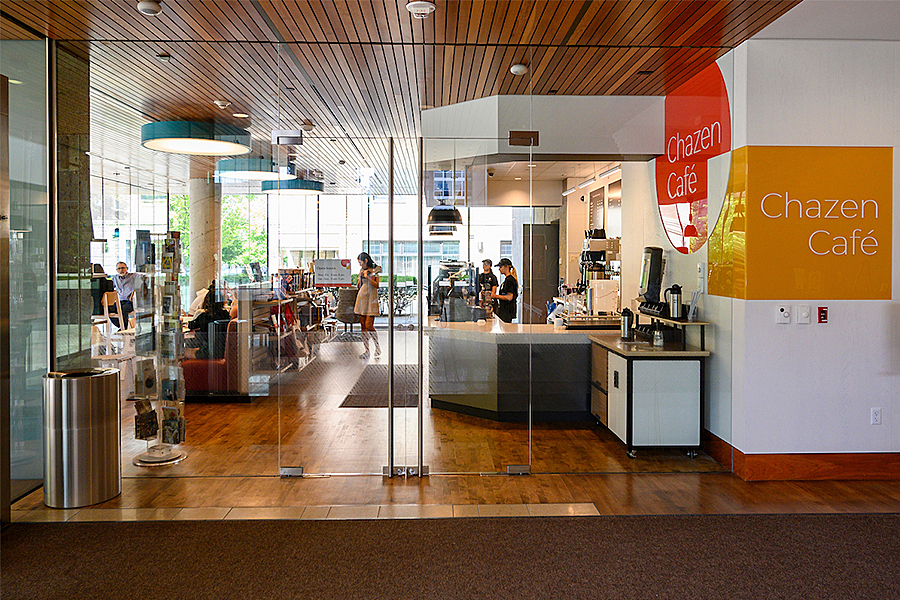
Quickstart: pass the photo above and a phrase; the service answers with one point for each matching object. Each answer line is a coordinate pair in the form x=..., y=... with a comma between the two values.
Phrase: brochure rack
x=159, y=346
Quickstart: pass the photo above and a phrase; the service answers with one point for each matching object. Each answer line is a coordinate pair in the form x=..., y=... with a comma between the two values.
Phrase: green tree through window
x=244, y=238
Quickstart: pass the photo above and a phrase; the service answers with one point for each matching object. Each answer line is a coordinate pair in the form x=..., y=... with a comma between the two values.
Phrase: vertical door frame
x=5, y=448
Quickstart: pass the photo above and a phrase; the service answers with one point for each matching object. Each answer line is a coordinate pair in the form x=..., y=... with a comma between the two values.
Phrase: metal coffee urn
x=627, y=323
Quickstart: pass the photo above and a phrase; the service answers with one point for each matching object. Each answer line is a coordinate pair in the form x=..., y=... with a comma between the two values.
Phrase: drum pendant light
x=253, y=169
x=444, y=214
x=195, y=137
x=293, y=187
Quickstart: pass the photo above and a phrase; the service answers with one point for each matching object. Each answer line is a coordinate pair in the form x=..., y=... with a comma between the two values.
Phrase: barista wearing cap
x=508, y=292
x=487, y=282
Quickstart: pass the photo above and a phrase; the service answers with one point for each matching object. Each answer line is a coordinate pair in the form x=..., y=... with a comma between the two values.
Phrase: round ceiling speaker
x=518, y=69
x=420, y=9
x=150, y=7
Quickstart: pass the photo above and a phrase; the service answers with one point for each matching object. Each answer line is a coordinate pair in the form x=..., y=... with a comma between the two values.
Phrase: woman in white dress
x=366, y=307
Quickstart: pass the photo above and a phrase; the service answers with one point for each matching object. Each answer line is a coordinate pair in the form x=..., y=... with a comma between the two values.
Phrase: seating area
x=215, y=379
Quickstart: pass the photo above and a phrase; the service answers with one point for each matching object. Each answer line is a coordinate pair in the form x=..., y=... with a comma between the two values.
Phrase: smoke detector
x=307, y=125
x=518, y=69
x=149, y=7
x=223, y=104
x=420, y=9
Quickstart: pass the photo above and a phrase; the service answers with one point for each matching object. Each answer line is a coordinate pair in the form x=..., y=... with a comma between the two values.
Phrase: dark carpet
x=371, y=389
x=674, y=557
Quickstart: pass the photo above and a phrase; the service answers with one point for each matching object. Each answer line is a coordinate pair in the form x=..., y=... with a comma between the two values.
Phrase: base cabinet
x=618, y=396
x=665, y=403
x=648, y=398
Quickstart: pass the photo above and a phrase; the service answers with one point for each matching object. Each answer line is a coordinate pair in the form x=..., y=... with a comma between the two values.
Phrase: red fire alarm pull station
x=823, y=314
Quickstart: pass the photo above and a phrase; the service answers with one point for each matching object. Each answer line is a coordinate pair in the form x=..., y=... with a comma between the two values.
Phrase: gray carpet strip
x=675, y=557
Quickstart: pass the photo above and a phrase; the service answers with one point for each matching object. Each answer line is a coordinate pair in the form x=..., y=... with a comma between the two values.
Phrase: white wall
x=810, y=388
x=641, y=226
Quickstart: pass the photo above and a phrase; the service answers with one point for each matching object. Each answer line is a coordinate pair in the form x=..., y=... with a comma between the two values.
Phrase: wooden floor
x=235, y=450
x=301, y=424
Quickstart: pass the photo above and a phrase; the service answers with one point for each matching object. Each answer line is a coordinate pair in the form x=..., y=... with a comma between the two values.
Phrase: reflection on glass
x=28, y=175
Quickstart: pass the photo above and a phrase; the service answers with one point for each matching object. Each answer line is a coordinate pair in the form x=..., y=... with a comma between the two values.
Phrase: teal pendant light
x=195, y=137
x=293, y=187
x=254, y=169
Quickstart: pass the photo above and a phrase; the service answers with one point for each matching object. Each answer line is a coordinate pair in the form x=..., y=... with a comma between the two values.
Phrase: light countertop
x=642, y=348
x=496, y=326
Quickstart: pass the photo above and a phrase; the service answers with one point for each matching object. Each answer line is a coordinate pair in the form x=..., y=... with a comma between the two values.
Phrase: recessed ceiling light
x=240, y=115
x=531, y=166
x=15, y=82
x=518, y=179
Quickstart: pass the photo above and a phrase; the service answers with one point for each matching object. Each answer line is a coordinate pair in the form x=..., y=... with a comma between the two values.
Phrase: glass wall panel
x=25, y=64
x=477, y=371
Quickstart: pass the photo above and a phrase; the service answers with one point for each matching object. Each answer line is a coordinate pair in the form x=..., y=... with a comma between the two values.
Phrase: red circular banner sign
x=697, y=128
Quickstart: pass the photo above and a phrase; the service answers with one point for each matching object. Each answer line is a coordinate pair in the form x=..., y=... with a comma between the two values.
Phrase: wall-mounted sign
x=331, y=272
x=697, y=128
x=806, y=223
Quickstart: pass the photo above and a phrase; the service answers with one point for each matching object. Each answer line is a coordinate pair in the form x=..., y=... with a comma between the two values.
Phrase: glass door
x=347, y=258
x=477, y=349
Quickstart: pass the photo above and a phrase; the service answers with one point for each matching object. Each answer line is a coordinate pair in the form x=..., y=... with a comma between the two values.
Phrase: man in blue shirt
x=124, y=284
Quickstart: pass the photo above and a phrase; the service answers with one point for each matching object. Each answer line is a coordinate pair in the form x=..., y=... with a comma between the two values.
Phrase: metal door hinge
x=405, y=471
x=518, y=469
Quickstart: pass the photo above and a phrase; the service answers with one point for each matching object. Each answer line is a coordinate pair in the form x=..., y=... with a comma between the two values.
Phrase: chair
x=345, y=310
x=211, y=376
x=102, y=326
x=102, y=331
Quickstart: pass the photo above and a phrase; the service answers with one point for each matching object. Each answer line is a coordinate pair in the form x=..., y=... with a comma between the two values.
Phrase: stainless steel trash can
x=82, y=430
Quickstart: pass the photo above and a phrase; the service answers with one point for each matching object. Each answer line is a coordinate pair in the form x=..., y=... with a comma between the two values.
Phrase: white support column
x=205, y=208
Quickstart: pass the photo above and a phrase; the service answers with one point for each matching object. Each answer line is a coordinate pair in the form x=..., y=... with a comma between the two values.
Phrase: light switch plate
x=783, y=314
x=803, y=314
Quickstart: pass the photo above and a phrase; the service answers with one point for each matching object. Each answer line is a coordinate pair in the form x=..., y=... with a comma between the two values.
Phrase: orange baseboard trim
x=801, y=467
x=808, y=467
x=717, y=448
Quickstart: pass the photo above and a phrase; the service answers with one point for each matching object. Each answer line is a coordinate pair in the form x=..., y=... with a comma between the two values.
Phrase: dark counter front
x=553, y=376
x=496, y=372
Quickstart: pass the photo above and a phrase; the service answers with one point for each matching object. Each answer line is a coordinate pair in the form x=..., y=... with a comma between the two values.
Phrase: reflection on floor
x=396, y=511
x=302, y=424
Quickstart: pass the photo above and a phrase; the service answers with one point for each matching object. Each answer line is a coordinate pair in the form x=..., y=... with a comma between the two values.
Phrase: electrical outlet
x=803, y=314
x=876, y=416
x=782, y=314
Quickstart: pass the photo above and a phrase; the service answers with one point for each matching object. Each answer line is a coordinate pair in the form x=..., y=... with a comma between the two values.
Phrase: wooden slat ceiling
x=362, y=70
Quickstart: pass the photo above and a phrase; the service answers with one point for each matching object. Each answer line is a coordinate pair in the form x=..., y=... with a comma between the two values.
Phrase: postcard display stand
x=159, y=346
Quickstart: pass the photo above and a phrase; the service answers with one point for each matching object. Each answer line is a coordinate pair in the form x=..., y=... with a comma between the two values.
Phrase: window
x=506, y=249
x=405, y=254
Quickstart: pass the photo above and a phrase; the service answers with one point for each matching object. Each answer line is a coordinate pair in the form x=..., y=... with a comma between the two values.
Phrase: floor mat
x=371, y=389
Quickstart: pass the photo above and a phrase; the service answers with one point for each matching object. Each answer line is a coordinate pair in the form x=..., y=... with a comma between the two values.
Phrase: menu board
x=332, y=272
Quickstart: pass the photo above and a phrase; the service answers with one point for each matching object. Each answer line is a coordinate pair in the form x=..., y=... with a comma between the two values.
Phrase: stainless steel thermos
x=627, y=324
x=673, y=298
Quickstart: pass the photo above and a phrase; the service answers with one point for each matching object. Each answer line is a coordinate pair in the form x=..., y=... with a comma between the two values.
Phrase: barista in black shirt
x=487, y=281
x=508, y=292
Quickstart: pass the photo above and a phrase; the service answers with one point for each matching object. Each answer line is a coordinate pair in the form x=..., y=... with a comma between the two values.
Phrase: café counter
x=492, y=370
